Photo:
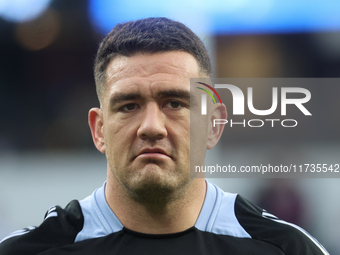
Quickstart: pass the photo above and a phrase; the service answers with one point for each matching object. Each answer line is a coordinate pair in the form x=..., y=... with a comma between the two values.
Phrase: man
x=149, y=203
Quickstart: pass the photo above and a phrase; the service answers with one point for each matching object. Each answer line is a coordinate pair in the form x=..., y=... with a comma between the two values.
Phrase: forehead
x=151, y=71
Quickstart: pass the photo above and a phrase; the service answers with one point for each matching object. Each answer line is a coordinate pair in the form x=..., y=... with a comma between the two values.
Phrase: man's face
x=146, y=120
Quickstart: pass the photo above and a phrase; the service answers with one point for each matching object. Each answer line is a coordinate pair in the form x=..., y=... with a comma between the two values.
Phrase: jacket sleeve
x=60, y=227
x=264, y=226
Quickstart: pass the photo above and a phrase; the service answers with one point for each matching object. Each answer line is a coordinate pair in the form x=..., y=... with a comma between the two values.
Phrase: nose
x=152, y=124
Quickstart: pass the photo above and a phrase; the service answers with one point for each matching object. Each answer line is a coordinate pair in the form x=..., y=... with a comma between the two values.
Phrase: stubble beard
x=154, y=188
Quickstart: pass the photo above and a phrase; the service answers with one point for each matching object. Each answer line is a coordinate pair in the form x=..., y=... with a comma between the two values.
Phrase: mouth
x=156, y=153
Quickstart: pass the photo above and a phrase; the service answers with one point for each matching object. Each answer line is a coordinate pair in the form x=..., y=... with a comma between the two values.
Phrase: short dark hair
x=150, y=35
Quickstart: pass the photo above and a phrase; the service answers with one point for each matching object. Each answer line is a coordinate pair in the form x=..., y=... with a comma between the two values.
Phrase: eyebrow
x=121, y=96
x=183, y=94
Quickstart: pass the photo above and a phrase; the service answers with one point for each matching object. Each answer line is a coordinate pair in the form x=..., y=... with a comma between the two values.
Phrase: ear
x=214, y=132
x=96, y=126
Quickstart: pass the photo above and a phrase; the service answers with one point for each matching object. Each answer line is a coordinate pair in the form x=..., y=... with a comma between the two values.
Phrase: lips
x=153, y=153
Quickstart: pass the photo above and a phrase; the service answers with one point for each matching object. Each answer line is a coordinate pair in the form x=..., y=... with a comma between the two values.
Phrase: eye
x=128, y=107
x=174, y=104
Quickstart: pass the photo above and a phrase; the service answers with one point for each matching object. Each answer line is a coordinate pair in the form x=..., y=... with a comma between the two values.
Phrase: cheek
x=117, y=136
x=116, y=125
x=180, y=134
x=199, y=126
x=198, y=138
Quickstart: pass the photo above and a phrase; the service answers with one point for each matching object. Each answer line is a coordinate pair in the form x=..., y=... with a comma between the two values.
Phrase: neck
x=173, y=215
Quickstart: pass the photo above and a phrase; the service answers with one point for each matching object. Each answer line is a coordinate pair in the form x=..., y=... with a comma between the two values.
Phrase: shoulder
x=99, y=219
x=232, y=215
x=264, y=226
x=60, y=227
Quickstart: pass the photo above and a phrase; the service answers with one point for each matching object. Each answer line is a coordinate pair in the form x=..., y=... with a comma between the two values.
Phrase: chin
x=154, y=185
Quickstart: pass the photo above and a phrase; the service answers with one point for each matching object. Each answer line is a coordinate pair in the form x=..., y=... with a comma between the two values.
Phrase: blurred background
x=47, y=48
